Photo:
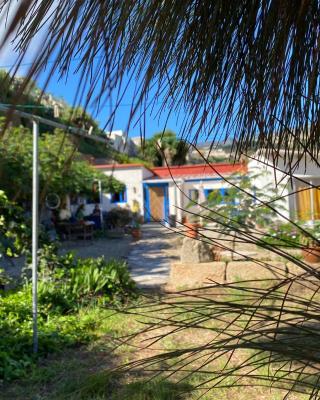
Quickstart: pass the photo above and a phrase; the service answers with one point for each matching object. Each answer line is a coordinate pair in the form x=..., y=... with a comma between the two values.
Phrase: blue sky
x=67, y=88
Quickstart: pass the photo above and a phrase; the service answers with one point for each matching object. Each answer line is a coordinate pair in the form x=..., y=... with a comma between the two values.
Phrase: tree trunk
x=233, y=247
x=167, y=157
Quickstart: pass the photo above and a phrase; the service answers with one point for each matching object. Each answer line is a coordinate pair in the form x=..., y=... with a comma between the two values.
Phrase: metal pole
x=35, y=220
x=35, y=199
x=100, y=200
x=311, y=203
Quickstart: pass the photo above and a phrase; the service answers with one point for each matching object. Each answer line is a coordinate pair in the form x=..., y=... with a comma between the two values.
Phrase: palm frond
x=245, y=69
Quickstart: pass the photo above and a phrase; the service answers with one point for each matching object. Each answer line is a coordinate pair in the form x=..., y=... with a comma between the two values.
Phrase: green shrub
x=96, y=276
x=288, y=235
x=283, y=234
x=15, y=230
x=55, y=332
x=119, y=216
x=50, y=260
x=67, y=283
x=5, y=279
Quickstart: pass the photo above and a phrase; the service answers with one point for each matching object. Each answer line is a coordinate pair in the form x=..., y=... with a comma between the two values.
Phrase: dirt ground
x=112, y=247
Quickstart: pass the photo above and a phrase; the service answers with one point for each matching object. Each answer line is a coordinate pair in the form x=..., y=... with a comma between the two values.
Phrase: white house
x=164, y=191
x=132, y=175
x=300, y=193
x=121, y=142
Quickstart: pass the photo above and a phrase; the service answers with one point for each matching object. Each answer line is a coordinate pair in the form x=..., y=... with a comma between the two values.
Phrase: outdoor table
x=75, y=230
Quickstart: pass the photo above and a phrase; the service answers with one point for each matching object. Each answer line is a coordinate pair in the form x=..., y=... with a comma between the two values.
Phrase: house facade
x=162, y=192
x=165, y=191
x=132, y=176
x=299, y=181
x=121, y=142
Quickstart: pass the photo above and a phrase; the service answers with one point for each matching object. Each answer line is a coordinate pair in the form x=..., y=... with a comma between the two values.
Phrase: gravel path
x=148, y=258
x=107, y=247
x=149, y=261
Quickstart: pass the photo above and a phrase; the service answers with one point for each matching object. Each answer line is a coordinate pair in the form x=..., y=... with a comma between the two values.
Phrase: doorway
x=156, y=202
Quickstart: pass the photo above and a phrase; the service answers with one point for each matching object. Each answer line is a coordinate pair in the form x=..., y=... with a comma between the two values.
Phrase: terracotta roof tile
x=198, y=170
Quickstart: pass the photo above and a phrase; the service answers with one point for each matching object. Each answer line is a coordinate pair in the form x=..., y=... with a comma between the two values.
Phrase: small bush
x=66, y=285
x=97, y=277
x=288, y=235
x=119, y=217
x=55, y=332
x=15, y=230
x=284, y=234
x=74, y=282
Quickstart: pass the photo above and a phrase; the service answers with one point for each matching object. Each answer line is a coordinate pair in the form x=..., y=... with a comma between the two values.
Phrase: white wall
x=202, y=185
x=265, y=180
x=173, y=197
x=306, y=170
x=132, y=177
x=181, y=197
x=268, y=179
x=305, y=166
x=120, y=141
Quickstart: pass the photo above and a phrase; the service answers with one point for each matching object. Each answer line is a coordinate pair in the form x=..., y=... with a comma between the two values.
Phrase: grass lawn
x=88, y=371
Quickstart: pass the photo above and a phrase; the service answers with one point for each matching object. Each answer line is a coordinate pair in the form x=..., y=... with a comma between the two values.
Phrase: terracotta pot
x=183, y=219
x=216, y=252
x=311, y=254
x=192, y=229
x=136, y=233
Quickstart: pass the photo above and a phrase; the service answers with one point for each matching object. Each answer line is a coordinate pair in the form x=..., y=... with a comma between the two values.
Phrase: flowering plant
x=289, y=235
x=312, y=236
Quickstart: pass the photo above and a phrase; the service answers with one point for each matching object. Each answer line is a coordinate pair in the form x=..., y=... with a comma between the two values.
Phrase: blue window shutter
x=119, y=197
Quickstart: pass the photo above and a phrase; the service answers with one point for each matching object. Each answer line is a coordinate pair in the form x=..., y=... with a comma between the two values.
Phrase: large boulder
x=195, y=251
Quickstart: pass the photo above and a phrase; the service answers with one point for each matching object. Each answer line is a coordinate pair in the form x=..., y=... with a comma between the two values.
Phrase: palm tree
x=164, y=148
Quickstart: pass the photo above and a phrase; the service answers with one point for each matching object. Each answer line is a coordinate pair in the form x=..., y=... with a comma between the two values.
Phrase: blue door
x=156, y=200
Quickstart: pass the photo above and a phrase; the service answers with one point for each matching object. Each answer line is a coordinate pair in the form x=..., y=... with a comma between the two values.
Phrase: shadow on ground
x=84, y=374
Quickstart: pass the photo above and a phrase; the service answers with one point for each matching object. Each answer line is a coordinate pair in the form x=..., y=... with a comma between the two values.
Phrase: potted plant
x=238, y=209
x=192, y=227
x=117, y=219
x=136, y=227
x=311, y=243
